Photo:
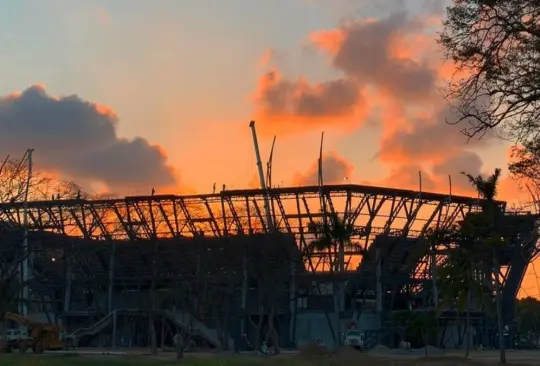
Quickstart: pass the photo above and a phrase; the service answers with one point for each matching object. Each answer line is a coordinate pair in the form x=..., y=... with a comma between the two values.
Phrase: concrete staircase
x=94, y=329
x=191, y=325
x=187, y=322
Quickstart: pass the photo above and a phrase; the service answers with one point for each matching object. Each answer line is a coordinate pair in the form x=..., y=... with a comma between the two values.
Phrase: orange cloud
x=267, y=58
x=390, y=71
x=328, y=40
x=335, y=169
x=298, y=104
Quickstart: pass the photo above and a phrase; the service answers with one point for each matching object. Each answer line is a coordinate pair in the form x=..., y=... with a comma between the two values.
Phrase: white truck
x=354, y=338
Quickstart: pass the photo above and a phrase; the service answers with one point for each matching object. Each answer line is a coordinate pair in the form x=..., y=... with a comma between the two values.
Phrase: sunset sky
x=188, y=76
x=165, y=91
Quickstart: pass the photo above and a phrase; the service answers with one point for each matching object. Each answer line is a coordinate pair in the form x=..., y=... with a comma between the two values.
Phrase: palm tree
x=458, y=274
x=487, y=189
x=331, y=236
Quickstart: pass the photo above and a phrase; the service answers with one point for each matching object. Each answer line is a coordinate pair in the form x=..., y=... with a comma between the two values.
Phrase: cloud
x=370, y=55
x=427, y=141
x=467, y=162
x=289, y=102
x=78, y=139
x=336, y=170
x=408, y=177
x=369, y=52
x=388, y=70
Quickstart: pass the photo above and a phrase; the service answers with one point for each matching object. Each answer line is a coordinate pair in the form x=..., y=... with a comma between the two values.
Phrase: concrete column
x=434, y=278
x=111, y=278
x=244, y=293
x=379, y=291
x=114, y=330
x=67, y=298
x=292, y=303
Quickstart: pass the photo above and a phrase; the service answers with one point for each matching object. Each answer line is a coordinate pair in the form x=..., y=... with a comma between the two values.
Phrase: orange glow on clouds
x=289, y=106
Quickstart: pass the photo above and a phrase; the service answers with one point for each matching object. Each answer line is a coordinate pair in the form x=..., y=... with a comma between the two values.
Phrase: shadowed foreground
x=350, y=358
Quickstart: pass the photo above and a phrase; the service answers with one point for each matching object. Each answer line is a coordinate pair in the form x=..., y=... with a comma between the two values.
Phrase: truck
x=354, y=338
x=30, y=333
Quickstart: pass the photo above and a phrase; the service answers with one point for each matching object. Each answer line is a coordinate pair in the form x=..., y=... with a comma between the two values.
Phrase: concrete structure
x=207, y=265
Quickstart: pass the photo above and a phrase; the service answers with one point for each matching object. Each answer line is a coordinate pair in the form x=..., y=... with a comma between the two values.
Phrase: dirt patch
x=348, y=355
x=313, y=350
x=380, y=350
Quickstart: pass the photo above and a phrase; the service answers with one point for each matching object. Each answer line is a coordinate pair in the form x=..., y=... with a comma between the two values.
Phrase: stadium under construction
x=209, y=266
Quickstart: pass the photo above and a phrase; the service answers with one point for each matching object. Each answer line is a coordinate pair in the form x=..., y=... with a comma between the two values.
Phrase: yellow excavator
x=30, y=334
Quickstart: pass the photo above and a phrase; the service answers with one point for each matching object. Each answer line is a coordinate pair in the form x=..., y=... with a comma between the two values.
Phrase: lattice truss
x=373, y=211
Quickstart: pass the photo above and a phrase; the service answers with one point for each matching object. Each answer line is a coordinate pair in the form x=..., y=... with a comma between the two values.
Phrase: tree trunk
x=258, y=327
x=467, y=325
x=424, y=338
x=500, y=326
x=152, y=325
x=271, y=333
x=153, y=340
x=341, y=271
x=336, y=311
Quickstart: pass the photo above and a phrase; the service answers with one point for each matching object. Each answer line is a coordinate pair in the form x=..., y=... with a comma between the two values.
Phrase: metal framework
x=372, y=210
x=112, y=242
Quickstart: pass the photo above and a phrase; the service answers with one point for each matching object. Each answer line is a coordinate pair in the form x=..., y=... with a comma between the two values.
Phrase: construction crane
x=269, y=221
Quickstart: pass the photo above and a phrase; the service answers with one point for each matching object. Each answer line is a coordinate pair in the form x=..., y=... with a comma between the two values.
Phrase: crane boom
x=269, y=221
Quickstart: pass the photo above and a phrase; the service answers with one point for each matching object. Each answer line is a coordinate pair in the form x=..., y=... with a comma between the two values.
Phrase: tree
x=459, y=272
x=486, y=187
x=11, y=257
x=525, y=166
x=14, y=180
x=494, y=46
x=332, y=236
x=528, y=317
x=270, y=268
x=422, y=325
x=487, y=227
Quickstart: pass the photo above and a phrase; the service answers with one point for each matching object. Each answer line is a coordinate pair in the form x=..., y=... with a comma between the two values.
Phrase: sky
x=160, y=94
x=123, y=96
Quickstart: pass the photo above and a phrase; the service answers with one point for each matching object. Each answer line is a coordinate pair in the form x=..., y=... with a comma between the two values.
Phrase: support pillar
x=67, y=297
x=379, y=293
x=434, y=278
x=244, y=293
x=292, y=302
x=111, y=279
x=115, y=319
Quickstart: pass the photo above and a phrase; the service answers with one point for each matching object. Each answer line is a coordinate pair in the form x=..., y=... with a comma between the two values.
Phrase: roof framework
x=373, y=211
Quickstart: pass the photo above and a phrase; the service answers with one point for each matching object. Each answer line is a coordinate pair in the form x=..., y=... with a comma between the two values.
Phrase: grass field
x=484, y=358
x=53, y=360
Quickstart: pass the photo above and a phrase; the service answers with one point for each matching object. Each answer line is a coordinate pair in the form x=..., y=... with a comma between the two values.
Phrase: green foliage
x=188, y=360
x=471, y=245
x=494, y=43
x=459, y=274
x=422, y=324
x=525, y=165
x=329, y=234
x=486, y=187
x=528, y=315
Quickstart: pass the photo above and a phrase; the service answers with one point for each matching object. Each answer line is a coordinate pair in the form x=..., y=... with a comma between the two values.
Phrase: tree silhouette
x=492, y=239
x=332, y=235
x=494, y=45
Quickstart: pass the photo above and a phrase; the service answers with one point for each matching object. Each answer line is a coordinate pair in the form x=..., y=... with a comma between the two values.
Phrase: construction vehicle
x=30, y=333
x=354, y=338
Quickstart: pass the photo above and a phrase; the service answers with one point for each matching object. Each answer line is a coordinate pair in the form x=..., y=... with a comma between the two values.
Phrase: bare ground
x=344, y=357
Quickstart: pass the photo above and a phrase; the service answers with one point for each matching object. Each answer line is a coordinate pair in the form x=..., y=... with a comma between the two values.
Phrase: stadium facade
x=210, y=267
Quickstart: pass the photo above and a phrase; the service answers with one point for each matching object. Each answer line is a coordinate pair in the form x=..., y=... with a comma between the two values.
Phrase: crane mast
x=269, y=221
